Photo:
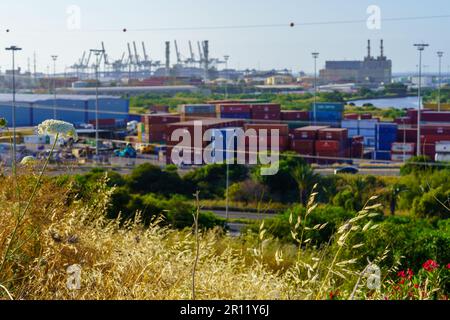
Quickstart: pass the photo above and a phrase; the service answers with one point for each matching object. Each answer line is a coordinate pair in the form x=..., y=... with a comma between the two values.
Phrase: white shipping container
x=401, y=157
x=443, y=147
x=442, y=157
x=403, y=147
x=350, y=124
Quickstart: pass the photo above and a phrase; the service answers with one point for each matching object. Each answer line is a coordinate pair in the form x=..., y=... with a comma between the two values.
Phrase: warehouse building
x=371, y=71
x=32, y=109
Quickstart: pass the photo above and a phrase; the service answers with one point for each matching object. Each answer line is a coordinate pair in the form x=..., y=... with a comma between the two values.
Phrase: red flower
x=401, y=274
x=416, y=286
x=402, y=281
x=334, y=295
x=410, y=274
x=448, y=266
x=430, y=265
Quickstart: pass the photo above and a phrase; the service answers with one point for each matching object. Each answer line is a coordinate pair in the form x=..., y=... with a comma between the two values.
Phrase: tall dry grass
x=130, y=261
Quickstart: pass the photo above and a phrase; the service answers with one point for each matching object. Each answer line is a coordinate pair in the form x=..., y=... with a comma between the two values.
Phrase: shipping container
x=366, y=116
x=234, y=108
x=326, y=116
x=442, y=157
x=368, y=124
x=308, y=133
x=433, y=116
x=266, y=116
x=333, y=134
x=290, y=115
x=328, y=106
x=266, y=108
x=404, y=147
x=283, y=129
x=400, y=157
x=351, y=116
x=305, y=147
x=161, y=118
x=328, y=146
x=383, y=155
x=443, y=147
x=241, y=115
x=197, y=108
x=386, y=135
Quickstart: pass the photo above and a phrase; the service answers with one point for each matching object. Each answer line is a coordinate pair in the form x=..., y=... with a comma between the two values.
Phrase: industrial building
x=372, y=71
x=32, y=109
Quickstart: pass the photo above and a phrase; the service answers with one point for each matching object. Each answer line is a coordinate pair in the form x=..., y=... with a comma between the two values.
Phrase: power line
x=243, y=26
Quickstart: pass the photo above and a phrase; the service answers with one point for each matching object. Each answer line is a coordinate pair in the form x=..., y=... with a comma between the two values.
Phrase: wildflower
x=334, y=295
x=27, y=160
x=54, y=127
x=402, y=281
x=416, y=286
x=410, y=273
x=448, y=266
x=430, y=265
x=401, y=274
x=3, y=122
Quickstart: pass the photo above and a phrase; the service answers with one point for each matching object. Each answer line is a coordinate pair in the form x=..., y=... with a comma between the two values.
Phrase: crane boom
x=145, y=51
x=200, y=50
x=177, y=52
x=192, y=51
x=136, y=52
x=105, y=56
x=130, y=55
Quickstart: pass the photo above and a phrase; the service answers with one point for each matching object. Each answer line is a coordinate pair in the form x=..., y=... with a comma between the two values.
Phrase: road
x=385, y=171
x=242, y=215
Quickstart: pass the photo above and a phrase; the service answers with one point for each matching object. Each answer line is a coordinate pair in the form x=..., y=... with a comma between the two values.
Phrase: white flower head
x=62, y=128
x=28, y=160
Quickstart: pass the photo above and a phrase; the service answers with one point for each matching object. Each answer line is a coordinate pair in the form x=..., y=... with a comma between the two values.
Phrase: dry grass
x=132, y=262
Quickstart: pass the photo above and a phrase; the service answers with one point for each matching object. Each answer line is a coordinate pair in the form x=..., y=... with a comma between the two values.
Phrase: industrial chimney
x=382, y=49
x=369, y=56
x=167, y=58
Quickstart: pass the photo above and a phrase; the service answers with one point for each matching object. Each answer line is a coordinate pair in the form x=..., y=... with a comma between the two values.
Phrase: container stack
x=234, y=111
x=356, y=147
x=190, y=112
x=283, y=132
x=402, y=151
x=331, y=143
x=386, y=136
x=443, y=151
x=155, y=126
x=189, y=127
x=303, y=140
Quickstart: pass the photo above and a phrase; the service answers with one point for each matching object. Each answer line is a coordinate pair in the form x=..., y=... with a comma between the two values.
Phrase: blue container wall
x=327, y=106
x=109, y=109
x=383, y=155
x=386, y=136
x=135, y=117
x=23, y=114
x=72, y=111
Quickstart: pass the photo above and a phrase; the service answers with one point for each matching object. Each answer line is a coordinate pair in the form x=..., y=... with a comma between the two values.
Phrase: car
x=346, y=170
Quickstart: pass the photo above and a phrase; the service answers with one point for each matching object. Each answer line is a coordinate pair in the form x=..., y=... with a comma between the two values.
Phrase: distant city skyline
x=268, y=42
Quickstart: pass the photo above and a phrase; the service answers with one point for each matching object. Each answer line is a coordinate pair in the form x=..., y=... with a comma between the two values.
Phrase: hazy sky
x=41, y=26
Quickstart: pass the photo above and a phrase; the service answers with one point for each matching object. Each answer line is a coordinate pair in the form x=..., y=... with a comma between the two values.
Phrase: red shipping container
x=328, y=146
x=333, y=134
x=161, y=118
x=407, y=135
x=358, y=139
x=266, y=108
x=351, y=116
x=234, y=108
x=404, y=121
x=366, y=116
x=308, y=133
x=305, y=147
x=266, y=116
x=435, y=130
x=357, y=150
x=431, y=116
x=283, y=128
x=295, y=115
x=429, y=150
x=156, y=128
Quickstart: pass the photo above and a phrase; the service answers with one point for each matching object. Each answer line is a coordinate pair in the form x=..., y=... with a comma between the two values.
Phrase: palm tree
x=305, y=178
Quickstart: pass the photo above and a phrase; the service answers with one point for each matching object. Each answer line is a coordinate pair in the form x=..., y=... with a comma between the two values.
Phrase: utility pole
x=54, y=58
x=440, y=55
x=98, y=54
x=421, y=47
x=13, y=49
x=315, y=56
x=227, y=57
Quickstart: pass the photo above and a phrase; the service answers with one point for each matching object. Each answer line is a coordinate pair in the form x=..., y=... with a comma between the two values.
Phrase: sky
x=50, y=27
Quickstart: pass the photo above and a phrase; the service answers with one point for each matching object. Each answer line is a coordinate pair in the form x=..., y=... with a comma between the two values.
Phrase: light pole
x=315, y=56
x=13, y=49
x=440, y=55
x=54, y=57
x=421, y=47
x=226, y=75
x=98, y=55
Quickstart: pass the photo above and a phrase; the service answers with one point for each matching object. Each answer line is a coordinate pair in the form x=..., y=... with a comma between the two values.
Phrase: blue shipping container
x=23, y=114
x=383, y=155
x=329, y=106
x=386, y=136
